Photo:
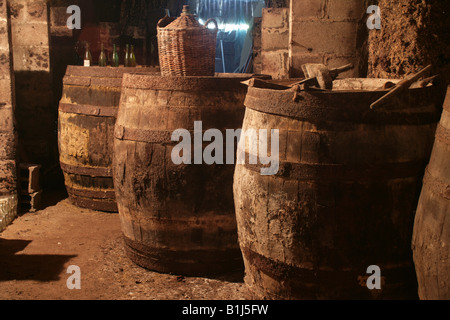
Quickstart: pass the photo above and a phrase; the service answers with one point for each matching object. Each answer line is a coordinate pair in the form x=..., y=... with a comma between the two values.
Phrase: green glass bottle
x=77, y=57
x=132, y=62
x=127, y=56
x=102, y=58
x=87, y=56
x=115, y=57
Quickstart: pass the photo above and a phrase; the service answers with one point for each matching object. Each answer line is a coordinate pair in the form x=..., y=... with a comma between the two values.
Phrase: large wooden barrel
x=176, y=218
x=87, y=115
x=344, y=196
x=431, y=237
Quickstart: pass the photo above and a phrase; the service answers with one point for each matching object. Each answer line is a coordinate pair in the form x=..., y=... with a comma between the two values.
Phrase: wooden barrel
x=176, y=218
x=344, y=196
x=87, y=115
x=431, y=237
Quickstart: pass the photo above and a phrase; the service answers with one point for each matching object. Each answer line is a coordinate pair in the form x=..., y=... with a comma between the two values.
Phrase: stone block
x=276, y=64
x=37, y=10
x=5, y=91
x=5, y=65
x=18, y=11
x=273, y=39
x=6, y=118
x=34, y=58
x=324, y=37
x=275, y=18
x=30, y=34
x=58, y=16
x=8, y=209
x=58, y=20
x=346, y=10
x=302, y=9
x=8, y=177
x=2, y=7
x=8, y=144
x=4, y=38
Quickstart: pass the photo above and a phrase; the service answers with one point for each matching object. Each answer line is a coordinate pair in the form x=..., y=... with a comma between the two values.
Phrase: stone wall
x=257, y=45
x=277, y=3
x=8, y=169
x=413, y=34
x=36, y=108
x=275, y=42
x=328, y=32
x=332, y=32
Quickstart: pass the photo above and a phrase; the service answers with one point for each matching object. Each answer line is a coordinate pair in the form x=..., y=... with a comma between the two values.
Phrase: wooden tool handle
x=335, y=72
x=309, y=81
x=402, y=85
x=258, y=83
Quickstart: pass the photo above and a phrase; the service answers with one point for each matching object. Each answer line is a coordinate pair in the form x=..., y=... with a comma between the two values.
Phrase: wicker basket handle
x=215, y=23
x=164, y=22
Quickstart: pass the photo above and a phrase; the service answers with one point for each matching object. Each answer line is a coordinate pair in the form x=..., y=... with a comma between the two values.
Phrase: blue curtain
x=235, y=19
x=227, y=12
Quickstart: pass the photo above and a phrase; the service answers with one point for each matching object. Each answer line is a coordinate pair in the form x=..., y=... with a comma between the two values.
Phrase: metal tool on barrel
x=320, y=78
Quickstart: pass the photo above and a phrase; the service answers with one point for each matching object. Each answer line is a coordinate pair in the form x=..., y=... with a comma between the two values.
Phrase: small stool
x=30, y=191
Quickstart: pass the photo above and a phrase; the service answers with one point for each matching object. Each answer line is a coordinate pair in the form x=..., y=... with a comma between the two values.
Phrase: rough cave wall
x=414, y=33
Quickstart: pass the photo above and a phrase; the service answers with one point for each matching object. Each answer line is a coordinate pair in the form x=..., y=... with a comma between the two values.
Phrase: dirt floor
x=37, y=249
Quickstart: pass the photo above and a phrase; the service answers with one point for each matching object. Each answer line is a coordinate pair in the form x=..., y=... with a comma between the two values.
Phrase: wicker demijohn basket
x=186, y=48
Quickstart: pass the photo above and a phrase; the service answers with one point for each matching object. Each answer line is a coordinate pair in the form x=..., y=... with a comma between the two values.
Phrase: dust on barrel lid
x=222, y=81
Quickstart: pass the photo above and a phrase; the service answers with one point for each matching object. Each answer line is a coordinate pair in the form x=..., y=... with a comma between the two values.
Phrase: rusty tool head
x=320, y=72
x=320, y=76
